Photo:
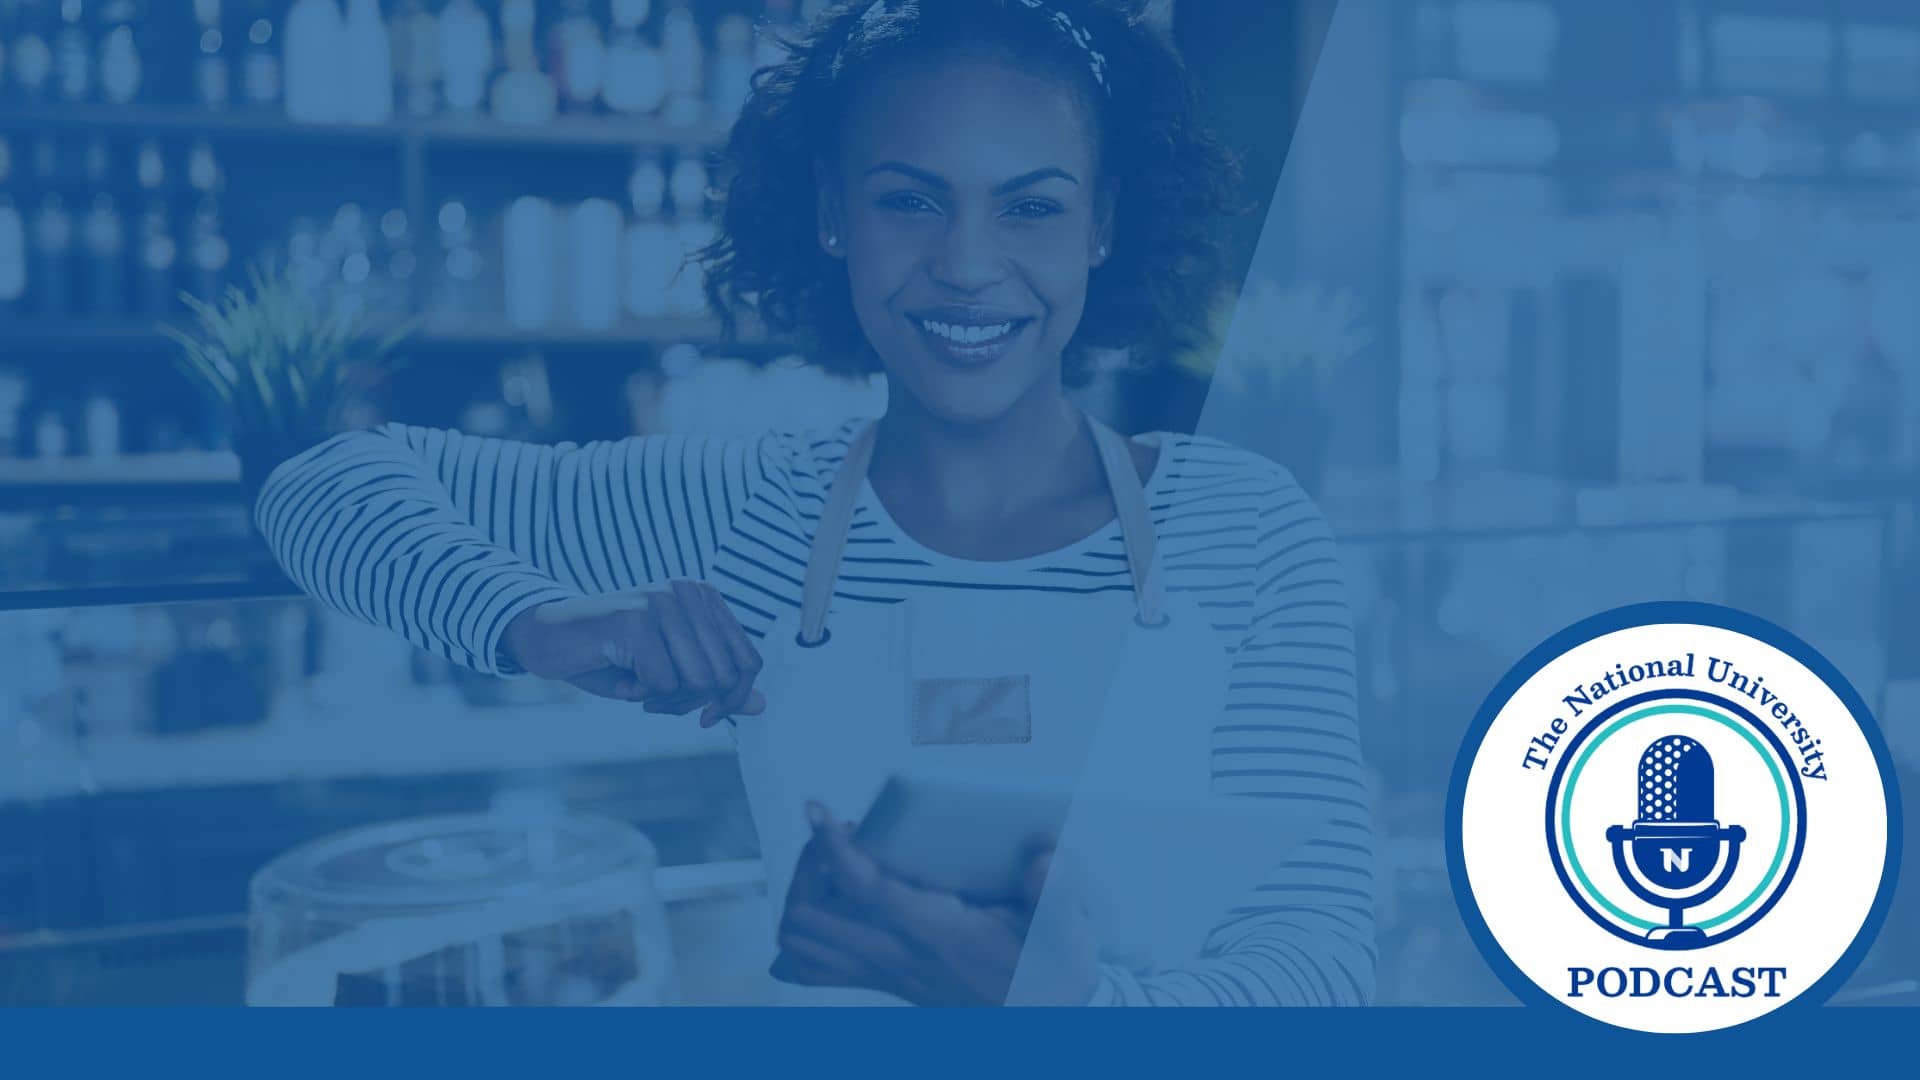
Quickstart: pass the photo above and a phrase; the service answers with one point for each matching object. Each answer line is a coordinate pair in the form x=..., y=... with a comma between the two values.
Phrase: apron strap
x=830, y=540
x=1123, y=482
x=1136, y=523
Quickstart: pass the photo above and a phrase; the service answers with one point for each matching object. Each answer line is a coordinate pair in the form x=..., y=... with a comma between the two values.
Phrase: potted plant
x=1283, y=345
x=283, y=363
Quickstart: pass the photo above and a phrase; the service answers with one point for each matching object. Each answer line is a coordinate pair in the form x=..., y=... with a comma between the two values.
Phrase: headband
x=1077, y=34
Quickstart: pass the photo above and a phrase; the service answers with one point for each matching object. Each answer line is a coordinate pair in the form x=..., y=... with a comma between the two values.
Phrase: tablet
x=1155, y=874
x=972, y=839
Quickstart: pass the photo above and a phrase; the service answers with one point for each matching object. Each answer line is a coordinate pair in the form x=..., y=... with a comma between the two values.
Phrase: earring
x=1103, y=251
x=833, y=241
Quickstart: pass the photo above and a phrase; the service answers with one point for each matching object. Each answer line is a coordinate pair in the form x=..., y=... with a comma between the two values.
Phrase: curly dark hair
x=1175, y=181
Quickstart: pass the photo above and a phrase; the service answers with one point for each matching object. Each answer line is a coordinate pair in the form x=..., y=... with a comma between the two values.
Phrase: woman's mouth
x=970, y=342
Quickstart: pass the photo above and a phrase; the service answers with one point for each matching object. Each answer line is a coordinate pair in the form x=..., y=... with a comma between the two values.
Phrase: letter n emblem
x=1671, y=860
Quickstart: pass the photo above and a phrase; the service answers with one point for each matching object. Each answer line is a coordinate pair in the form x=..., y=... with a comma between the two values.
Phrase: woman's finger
x=812, y=881
x=808, y=962
x=919, y=915
x=872, y=890
x=746, y=659
x=683, y=646
x=878, y=948
x=642, y=650
x=706, y=631
x=620, y=684
x=675, y=705
x=609, y=682
x=732, y=684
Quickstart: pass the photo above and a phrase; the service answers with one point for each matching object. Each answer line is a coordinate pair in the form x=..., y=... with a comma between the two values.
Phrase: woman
x=972, y=196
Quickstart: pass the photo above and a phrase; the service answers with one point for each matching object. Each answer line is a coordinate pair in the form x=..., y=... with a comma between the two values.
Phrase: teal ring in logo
x=1566, y=816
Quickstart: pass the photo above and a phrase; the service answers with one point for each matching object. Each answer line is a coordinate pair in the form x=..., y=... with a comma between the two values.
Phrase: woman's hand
x=674, y=647
x=851, y=923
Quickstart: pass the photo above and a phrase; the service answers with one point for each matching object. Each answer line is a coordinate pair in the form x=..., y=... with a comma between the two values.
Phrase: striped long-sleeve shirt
x=444, y=538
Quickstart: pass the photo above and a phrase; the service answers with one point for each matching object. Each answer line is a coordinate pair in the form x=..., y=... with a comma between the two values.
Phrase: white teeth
x=966, y=335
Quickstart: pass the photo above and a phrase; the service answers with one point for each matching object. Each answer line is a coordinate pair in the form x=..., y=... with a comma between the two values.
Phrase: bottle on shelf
x=579, y=57
x=416, y=58
x=317, y=62
x=305, y=268
x=686, y=64
x=593, y=270
x=14, y=389
x=522, y=94
x=31, y=54
x=733, y=66
x=692, y=230
x=636, y=82
x=13, y=240
x=398, y=264
x=460, y=261
x=466, y=55
x=350, y=251
x=158, y=251
x=212, y=82
x=530, y=256
x=120, y=67
x=101, y=423
x=367, y=83
x=50, y=434
x=651, y=255
x=104, y=237
x=260, y=71
x=73, y=54
x=51, y=240
x=207, y=249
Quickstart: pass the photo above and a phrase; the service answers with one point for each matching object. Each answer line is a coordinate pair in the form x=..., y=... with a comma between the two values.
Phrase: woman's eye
x=908, y=202
x=1033, y=208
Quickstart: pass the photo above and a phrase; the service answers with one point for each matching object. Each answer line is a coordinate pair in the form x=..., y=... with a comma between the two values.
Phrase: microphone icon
x=1676, y=855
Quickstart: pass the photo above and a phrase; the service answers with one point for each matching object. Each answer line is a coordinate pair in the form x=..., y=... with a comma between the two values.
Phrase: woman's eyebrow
x=1034, y=177
x=921, y=175
x=940, y=183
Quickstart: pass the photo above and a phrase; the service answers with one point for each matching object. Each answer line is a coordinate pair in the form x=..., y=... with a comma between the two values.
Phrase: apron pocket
x=950, y=711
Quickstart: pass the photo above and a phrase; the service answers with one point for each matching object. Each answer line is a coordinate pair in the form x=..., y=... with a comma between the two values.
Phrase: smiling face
x=967, y=204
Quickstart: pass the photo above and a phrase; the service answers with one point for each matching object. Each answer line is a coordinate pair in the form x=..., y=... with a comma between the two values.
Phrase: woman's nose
x=967, y=259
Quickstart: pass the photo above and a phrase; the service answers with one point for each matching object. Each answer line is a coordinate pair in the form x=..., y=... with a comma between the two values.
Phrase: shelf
x=212, y=590
x=569, y=133
x=684, y=883
x=1667, y=175
x=330, y=733
x=436, y=333
x=170, y=479
x=1357, y=523
x=188, y=468
x=564, y=133
x=1822, y=110
x=497, y=333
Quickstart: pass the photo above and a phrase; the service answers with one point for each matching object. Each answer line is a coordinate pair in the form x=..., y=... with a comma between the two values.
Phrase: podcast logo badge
x=1673, y=817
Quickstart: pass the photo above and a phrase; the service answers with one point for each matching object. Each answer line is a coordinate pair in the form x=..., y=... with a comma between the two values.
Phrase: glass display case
x=159, y=758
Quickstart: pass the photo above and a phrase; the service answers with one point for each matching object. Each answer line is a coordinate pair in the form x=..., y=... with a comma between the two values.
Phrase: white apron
x=1122, y=687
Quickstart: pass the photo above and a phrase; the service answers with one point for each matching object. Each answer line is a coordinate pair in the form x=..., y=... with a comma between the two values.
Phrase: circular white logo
x=1673, y=817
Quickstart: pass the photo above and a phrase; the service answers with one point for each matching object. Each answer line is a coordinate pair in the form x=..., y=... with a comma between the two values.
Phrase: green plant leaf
x=279, y=357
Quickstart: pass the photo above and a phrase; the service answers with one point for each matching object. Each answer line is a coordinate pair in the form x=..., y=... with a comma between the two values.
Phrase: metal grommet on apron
x=1060, y=686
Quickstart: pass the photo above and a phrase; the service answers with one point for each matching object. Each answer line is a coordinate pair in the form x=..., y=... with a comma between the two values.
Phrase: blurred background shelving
x=464, y=168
